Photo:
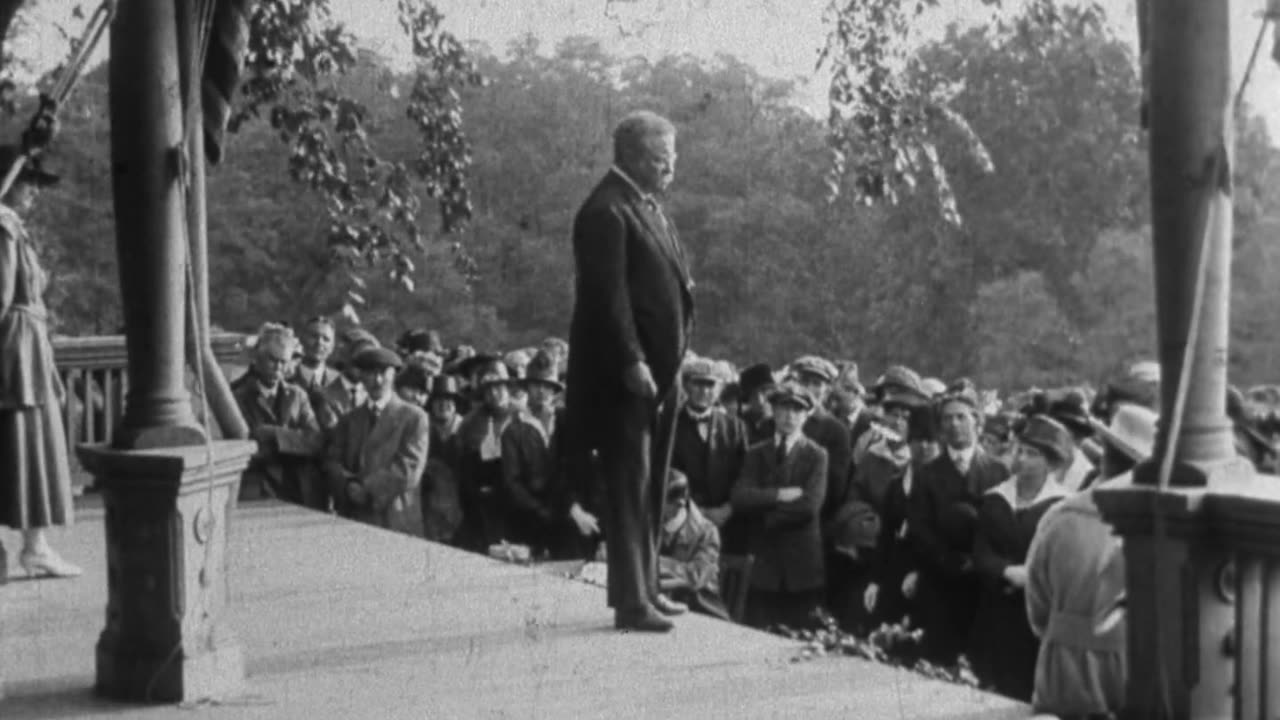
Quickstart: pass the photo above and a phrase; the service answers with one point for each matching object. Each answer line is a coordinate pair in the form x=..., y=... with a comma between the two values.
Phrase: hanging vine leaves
x=374, y=203
x=887, y=112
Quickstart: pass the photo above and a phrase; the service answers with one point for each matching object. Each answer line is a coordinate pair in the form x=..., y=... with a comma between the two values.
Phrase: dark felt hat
x=756, y=377
x=1069, y=407
x=413, y=377
x=855, y=527
x=376, y=358
x=542, y=370
x=446, y=386
x=1049, y=437
x=791, y=394
x=421, y=341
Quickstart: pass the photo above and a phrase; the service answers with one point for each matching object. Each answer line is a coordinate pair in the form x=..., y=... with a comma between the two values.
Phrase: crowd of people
x=909, y=498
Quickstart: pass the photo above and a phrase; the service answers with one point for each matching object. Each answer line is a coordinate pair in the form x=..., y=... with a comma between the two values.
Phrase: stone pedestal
x=167, y=512
x=1181, y=585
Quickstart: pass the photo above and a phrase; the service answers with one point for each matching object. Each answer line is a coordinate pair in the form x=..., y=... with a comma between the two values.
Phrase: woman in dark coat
x=35, y=476
x=1002, y=646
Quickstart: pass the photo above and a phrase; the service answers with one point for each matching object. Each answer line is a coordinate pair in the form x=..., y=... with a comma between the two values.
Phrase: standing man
x=633, y=311
x=313, y=372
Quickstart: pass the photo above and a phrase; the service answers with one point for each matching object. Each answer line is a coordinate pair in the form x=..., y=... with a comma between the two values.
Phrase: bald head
x=644, y=147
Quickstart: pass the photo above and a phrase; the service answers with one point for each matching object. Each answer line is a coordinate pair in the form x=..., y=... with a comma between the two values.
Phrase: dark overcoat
x=633, y=303
x=785, y=537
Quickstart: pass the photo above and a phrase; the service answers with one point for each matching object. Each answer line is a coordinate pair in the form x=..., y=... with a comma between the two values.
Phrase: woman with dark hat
x=35, y=475
x=484, y=507
x=537, y=510
x=1003, y=647
x=441, y=505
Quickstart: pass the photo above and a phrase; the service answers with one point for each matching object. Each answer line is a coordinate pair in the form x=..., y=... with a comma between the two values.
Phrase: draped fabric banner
x=228, y=42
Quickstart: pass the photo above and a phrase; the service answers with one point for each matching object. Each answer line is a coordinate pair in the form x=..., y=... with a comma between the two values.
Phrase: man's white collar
x=623, y=174
x=964, y=456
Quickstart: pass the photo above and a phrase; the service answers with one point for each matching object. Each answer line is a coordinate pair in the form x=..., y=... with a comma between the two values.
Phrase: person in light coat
x=1075, y=584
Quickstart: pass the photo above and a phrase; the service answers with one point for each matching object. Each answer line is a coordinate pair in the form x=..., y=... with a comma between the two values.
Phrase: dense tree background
x=1047, y=280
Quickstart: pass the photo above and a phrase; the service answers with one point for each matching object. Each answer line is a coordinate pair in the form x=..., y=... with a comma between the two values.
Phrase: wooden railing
x=93, y=372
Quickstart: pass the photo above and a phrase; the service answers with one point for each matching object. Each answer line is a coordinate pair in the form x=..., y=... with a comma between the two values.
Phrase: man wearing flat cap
x=780, y=495
x=950, y=491
x=378, y=451
x=633, y=311
x=709, y=446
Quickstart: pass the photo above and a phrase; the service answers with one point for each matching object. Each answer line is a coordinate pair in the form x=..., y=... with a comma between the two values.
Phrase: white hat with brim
x=1132, y=430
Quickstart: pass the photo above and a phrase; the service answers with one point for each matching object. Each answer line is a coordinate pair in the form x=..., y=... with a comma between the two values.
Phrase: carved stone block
x=167, y=513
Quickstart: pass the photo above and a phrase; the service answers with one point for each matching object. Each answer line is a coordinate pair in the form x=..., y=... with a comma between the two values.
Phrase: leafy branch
x=888, y=112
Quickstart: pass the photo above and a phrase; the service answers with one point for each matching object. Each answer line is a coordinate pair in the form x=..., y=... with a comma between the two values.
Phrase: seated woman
x=1002, y=646
x=689, y=552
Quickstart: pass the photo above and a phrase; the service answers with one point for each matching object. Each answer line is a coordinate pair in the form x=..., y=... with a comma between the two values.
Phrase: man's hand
x=356, y=493
x=639, y=380
x=1016, y=575
x=264, y=435
x=587, y=523
x=719, y=515
x=869, y=597
x=787, y=494
x=909, y=584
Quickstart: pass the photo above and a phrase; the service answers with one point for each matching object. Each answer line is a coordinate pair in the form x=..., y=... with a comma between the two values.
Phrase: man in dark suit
x=780, y=493
x=709, y=447
x=632, y=314
x=943, y=521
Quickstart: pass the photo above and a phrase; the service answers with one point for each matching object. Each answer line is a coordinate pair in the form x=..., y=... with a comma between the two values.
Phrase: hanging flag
x=224, y=64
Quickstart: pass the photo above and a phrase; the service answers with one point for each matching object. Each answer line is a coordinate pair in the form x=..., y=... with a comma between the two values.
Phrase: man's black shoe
x=643, y=620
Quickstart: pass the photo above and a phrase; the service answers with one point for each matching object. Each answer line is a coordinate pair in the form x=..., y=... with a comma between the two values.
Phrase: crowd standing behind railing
x=912, y=500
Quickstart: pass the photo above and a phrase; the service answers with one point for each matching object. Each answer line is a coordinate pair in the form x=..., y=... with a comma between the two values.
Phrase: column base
x=208, y=674
x=167, y=512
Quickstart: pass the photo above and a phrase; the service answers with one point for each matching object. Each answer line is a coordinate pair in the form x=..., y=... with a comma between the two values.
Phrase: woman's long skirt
x=35, y=474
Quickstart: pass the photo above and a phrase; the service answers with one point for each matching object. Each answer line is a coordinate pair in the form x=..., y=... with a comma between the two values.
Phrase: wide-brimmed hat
x=421, y=341
x=900, y=385
x=814, y=366
x=933, y=387
x=413, y=377
x=467, y=367
x=791, y=394
x=376, y=358
x=754, y=378
x=32, y=172
x=495, y=373
x=446, y=386
x=1132, y=430
x=1048, y=436
x=542, y=370
x=1070, y=407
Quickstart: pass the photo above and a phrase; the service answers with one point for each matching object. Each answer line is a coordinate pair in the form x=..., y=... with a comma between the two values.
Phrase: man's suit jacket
x=787, y=537
x=320, y=379
x=714, y=464
x=287, y=464
x=825, y=429
x=332, y=402
x=387, y=457
x=940, y=490
x=633, y=302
